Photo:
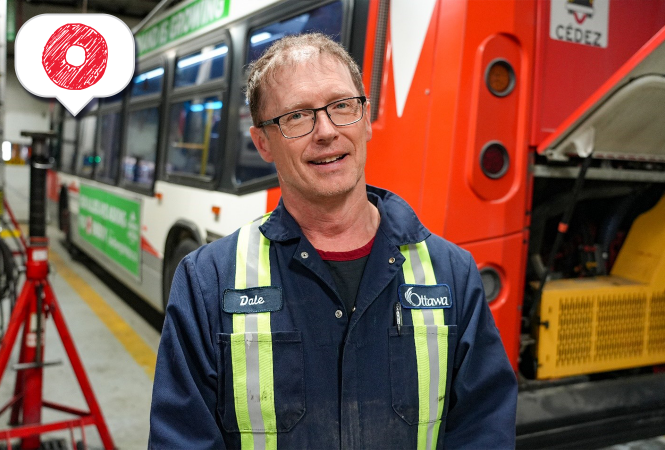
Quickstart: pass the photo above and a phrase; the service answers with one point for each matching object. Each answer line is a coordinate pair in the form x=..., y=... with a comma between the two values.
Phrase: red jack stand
x=35, y=304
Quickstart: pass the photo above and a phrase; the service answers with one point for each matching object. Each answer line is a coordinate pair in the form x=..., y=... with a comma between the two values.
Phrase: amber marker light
x=500, y=78
x=216, y=210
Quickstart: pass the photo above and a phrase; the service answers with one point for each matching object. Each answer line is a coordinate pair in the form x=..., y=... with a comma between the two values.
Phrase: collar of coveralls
x=399, y=222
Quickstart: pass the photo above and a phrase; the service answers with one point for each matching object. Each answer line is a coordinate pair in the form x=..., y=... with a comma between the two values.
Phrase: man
x=337, y=321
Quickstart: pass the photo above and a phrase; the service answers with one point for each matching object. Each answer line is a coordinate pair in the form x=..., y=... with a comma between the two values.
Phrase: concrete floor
x=117, y=347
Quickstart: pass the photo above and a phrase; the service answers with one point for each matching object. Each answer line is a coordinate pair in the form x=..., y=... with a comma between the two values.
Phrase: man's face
x=328, y=162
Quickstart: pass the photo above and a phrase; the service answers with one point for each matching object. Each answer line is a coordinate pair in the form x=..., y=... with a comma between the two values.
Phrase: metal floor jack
x=35, y=304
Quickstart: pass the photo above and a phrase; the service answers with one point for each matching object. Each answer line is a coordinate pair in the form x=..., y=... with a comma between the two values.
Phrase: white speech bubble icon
x=74, y=57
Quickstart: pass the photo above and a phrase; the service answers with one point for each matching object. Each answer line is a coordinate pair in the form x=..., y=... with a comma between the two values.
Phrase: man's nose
x=323, y=126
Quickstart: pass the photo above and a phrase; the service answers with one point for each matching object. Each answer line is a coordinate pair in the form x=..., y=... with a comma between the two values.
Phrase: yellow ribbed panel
x=614, y=322
x=642, y=256
x=656, y=344
x=598, y=324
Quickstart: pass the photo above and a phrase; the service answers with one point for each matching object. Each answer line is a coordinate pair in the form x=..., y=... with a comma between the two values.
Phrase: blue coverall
x=344, y=382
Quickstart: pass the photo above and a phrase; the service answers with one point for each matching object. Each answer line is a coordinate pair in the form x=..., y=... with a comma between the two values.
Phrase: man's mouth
x=329, y=160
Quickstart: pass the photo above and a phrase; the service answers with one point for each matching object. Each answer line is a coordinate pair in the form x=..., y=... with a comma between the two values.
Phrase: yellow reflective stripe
x=422, y=362
x=442, y=337
x=409, y=278
x=423, y=253
x=239, y=323
x=264, y=257
x=266, y=370
x=417, y=317
x=257, y=341
x=438, y=316
x=241, y=258
x=266, y=381
x=239, y=365
x=432, y=320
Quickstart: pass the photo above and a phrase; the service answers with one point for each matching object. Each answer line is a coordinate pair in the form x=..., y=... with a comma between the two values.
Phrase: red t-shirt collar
x=349, y=255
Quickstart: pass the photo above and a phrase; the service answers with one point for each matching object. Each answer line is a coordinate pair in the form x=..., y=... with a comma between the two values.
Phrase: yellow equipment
x=611, y=322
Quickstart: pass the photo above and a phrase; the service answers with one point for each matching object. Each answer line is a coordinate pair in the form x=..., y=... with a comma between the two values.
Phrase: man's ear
x=261, y=143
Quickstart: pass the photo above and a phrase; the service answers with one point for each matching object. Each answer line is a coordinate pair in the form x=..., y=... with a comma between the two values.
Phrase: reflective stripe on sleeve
x=251, y=347
x=431, y=340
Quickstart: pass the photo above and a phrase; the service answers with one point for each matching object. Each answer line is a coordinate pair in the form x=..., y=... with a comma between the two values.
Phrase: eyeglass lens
x=342, y=112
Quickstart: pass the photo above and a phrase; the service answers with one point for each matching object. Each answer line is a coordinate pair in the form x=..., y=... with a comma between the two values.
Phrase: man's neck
x=336, y=224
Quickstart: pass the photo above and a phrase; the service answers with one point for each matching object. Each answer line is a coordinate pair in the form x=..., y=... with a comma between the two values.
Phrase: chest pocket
x=248, y=356
x=422, y=349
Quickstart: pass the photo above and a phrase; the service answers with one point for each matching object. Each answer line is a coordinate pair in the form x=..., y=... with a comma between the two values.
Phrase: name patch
x=252, y=300
x=425, y=297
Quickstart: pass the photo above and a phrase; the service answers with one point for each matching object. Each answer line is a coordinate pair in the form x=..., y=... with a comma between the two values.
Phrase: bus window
x=194, y=137
x=201, y=67
x=326, y=19
x=139, y=163
x=114, y=99
x=249, y=164
x=85, y=159
x=68, y=148
x=108, y=148
x=149, y=82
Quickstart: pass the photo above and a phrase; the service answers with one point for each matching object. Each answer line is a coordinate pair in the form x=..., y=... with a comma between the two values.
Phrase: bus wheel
x=182, y=249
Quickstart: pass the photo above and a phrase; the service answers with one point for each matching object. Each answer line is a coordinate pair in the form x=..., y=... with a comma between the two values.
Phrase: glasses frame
x=275, y=120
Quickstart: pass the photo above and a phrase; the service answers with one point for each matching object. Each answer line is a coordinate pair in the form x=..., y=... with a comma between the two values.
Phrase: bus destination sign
x=190, y=18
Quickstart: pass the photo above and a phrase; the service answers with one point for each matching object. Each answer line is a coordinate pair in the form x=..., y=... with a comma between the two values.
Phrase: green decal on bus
x=188, y=19
x=111, y=223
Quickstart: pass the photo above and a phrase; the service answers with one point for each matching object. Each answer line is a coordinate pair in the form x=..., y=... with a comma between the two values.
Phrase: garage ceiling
x=130, y=9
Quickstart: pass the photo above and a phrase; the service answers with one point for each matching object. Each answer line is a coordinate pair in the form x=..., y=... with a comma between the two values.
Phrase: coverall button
x=339, y=313
x=391, y=260
x=304, y=255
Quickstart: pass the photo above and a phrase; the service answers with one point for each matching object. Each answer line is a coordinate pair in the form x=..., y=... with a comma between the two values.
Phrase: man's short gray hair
x=281, y=54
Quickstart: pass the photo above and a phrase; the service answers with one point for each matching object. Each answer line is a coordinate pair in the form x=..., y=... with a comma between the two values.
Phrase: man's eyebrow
x=338, y=95
x=295, y=106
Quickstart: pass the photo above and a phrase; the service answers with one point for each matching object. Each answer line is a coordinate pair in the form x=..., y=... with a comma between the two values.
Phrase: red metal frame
x=27, y=397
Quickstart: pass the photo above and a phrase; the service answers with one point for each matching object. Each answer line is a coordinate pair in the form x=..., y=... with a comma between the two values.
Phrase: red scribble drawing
x=68, y=76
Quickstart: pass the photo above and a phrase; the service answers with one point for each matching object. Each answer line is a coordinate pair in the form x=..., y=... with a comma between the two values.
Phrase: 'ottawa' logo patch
x=424, y=296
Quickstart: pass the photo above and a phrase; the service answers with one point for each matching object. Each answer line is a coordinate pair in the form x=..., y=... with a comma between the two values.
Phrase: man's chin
x=334, y=191
x=324, y=190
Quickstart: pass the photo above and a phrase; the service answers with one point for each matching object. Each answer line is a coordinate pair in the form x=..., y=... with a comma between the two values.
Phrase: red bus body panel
x=430, y=153
x=568, y=73
x=448, y=117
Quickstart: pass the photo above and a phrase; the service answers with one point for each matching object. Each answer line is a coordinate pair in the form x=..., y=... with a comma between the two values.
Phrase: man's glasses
x=298, y=123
